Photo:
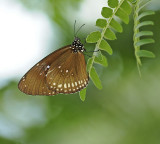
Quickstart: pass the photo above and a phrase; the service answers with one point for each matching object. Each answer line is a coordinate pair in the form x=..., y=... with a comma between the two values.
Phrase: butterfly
x=62, y=71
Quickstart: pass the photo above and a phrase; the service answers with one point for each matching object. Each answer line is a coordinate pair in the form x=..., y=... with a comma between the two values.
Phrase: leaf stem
x=104, y=30
x=136, y=30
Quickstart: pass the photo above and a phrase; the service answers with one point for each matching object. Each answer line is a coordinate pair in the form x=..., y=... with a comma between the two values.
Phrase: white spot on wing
x=60, y=85
x=66, y=71
x=65, y=86
x=59, y=66
x=72, y=84
x=50, y=71
x=54, y=83
x=76, y=83
x=68, y=84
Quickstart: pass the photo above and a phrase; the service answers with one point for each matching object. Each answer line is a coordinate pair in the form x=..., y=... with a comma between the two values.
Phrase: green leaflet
x=145, y=53
x=132, y=1
x=145, y=23
x=89, y=63
x=109, y=34
x=126, y=7
x=95, y=78
x=116, y=26
x=93, y=37
x=123, y=16
x=106, y=47
x=144, y=42
x=146, y=13
x=142, y=6
x=82, y=94
x=102, y=61
x=106, y=12
x=101, y=23
x=144, y=33
x=113, y=3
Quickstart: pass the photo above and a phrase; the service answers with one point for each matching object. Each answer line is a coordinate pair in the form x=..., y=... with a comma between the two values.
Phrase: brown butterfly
x=63, y=71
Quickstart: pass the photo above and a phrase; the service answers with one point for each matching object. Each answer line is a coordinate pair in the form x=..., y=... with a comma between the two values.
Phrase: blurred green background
x=125, y=111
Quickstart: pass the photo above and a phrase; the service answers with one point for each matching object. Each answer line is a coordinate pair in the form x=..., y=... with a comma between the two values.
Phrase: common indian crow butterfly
x=62, y=71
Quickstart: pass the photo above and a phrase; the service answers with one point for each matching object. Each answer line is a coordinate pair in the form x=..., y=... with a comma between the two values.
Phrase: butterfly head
x=77, y=46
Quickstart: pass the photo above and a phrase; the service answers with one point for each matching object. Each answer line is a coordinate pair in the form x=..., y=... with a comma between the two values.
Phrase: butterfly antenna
x=78, y=30
x=75, y=28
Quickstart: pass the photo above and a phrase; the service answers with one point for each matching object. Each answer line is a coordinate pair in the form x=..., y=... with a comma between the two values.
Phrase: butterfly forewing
x=34, y=81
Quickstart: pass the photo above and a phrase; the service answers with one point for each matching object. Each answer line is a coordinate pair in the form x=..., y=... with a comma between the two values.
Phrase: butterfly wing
x=63, y=71
x=34, y=81
x=68, y=75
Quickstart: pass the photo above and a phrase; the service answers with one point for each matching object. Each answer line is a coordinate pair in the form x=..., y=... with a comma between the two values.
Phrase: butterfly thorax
x=77, y=46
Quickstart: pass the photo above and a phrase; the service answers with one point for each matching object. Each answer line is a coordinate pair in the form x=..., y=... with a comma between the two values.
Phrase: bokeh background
x=125, y=111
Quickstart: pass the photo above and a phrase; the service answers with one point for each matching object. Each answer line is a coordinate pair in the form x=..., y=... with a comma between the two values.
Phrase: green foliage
x=116, y=26
x=106, y=47
x=102, y=61
x=82, y=94
x=121, y=9
x=101, y=23
x=109, y=34
x=93, y=37
x=140, y=36
x=95, y=78
x=89, y=64
x=144, y=33
x=112, y=3
x=145, y=53
x=106, y=12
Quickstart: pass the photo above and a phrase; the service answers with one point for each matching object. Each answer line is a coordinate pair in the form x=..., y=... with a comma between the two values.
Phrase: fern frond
x=116, y=8
x=138, y=37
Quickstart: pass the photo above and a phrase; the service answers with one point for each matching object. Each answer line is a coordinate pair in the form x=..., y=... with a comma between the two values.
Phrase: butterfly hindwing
x=67, y=75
